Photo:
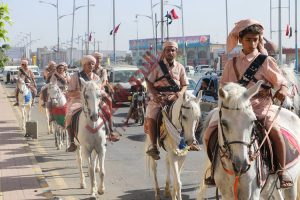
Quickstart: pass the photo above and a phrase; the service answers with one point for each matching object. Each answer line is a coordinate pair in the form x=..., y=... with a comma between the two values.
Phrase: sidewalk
x=20, y=176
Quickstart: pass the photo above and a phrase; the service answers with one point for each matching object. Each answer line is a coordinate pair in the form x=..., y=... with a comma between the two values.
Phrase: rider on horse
x=164, y=88
x=27, y=75
x=47, y=76
x=250, y=34
x=74, y=87
x=60, y=77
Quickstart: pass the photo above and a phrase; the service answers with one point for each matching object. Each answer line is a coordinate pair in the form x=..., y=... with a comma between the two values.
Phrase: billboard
x=189, y=41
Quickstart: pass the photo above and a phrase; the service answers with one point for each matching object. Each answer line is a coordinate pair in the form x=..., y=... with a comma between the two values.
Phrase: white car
x=191, y=86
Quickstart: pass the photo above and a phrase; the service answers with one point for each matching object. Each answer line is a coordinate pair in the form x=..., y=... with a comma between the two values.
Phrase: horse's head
x=91, y=98
x=56, y=97
x=21, y=85
x=236, y=123
x=186, y=115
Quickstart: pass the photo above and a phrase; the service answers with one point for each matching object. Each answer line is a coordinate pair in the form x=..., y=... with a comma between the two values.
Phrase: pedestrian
x=249, y=33
x=167, y=78
x=27, y=75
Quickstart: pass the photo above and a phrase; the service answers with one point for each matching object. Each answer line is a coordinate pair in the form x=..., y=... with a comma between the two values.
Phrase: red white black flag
x=115, y=30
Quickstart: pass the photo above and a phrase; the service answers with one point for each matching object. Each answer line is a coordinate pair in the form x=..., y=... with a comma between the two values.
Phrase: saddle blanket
x=59, y=114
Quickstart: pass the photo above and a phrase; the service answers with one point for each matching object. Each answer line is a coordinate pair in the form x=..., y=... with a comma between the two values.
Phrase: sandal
x=113, y=137
x=285, y=180
x=194, y=146
x=210, y=181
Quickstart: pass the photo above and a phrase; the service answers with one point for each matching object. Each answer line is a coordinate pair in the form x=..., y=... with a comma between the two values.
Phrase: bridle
x=86, y=109
x=23, y=90
x=225, y=150
x=57, y=96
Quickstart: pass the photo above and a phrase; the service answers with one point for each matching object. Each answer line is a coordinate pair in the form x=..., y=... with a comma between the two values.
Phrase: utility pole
x=183, y=36
x=88, y=28
x=162, y=21
x=114, y=35
x=296, y=36
x=279, y=32
x=73, y=16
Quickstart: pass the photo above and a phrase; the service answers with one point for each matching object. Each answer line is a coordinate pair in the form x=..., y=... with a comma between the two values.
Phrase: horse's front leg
x=168, y=180
x=174, y=163
x=79, y=160
x=28, y=108
x=101, y=159
x=23, y=117
x=92, y=167
x=48, y=122
x=153, y=164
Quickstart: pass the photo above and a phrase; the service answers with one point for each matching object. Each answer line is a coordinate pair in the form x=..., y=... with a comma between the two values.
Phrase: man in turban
x=158, y=84
x=27, y=75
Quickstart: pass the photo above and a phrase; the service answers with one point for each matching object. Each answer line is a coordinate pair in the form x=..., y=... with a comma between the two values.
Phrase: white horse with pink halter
x=238, y=152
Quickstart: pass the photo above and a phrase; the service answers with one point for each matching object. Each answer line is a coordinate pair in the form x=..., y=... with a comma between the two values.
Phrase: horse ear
x=82, y=81
x=185, y=97
x=199, y=96
x=223, y=94
x=253, y=90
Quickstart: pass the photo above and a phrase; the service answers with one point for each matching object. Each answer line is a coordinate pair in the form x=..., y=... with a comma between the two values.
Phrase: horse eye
x=184, y=117
x=86, y=96
x=224, y=123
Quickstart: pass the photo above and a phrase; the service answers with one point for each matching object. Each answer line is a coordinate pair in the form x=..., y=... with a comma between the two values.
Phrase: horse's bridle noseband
x=225, y=149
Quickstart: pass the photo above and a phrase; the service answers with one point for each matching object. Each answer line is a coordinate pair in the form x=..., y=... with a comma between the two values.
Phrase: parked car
x=189, y=70
x=201, y=70
x=122, y=78
x=1, y=75
x=40, y=82
x=11, y=76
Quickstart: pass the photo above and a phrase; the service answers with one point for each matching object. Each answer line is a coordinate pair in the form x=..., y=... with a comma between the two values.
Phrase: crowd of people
x=167, y=81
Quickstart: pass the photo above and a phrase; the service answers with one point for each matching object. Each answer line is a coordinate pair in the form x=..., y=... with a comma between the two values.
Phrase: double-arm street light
x=73, y=20
x=57, y=18
x=137, y=34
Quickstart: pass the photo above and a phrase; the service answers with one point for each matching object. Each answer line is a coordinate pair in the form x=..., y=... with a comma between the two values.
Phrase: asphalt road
x=127, y=177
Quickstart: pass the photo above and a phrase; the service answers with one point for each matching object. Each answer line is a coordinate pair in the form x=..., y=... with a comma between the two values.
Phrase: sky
x=201, y=17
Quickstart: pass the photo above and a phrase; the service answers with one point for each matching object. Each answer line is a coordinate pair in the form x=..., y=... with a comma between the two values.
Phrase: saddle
x=266, y=161
x=75, y=120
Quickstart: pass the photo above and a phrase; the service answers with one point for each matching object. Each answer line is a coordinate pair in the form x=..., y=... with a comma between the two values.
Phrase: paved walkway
x=20, y=176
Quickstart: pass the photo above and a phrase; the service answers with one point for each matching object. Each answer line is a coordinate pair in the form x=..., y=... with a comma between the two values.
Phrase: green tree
x=4, y=21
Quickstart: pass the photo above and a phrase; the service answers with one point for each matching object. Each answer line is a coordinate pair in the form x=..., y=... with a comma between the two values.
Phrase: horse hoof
x=101, y=192
x=167, y=193
x=93, y=197
x=157, y=198
x=83, y=186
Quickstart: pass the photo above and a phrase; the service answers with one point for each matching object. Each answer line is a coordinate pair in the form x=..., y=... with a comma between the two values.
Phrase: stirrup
x=153, y=152
x=285, y=180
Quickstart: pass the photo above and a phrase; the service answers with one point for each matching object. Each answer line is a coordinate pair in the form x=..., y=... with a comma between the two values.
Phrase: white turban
x=98, y=55
x=24, y=62
x=170, y=44
x=87, y=58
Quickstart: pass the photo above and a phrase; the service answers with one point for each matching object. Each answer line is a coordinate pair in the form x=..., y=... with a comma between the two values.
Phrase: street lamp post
x=182, y=29
x=57, y=19
x=73, y=19
x=137, y=22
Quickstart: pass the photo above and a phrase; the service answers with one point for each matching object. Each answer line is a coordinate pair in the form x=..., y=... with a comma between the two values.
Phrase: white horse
x=25, y=101
x=91, y=135
x=292, y=102
x=45, y=109
x=185, y=115
x=58, y=109
x=236, y=162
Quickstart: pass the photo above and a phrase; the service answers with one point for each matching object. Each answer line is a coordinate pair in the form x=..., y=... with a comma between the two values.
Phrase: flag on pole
x=288, y=31
x=115, y=30
x=173, y=14
x=90, y=36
